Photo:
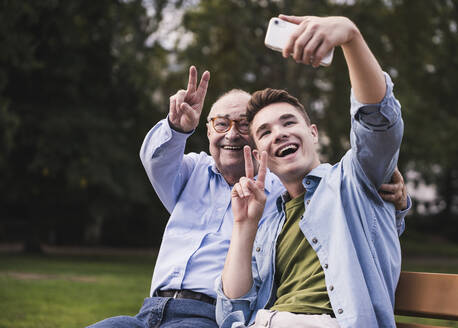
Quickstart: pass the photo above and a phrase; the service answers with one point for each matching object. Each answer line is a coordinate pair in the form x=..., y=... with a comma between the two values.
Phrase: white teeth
x=281, y=151
x=232, y=148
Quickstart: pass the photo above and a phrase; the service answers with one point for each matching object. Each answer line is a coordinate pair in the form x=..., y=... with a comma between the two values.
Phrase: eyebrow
x=285, y=117
x=282, y=118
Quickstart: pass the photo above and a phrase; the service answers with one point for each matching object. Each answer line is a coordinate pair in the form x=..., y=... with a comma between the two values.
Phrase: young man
x=333, y=258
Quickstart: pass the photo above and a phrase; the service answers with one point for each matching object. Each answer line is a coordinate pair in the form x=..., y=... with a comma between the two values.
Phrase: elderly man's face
x=226, y=148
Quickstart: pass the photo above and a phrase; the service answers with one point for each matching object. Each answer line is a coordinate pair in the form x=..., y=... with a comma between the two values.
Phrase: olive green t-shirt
x=299, y=275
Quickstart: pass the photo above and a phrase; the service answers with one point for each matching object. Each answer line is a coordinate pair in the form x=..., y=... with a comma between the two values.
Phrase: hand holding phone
x=278, y=34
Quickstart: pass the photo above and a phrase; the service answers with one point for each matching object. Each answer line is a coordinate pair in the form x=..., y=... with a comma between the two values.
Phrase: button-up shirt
x=198, y=198
x=352, y=230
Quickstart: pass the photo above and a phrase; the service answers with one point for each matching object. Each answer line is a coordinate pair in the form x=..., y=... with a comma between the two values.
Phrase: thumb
x=292, y=19
x=188, y=110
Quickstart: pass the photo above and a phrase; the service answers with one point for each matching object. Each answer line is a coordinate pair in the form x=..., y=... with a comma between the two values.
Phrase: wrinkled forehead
x=232, y=106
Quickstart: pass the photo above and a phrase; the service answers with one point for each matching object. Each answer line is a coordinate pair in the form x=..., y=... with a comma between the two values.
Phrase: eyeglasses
x=224, y=124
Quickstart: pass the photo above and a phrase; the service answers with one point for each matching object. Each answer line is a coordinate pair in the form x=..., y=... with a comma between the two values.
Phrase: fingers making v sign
x=186, y=105
x=248, y=196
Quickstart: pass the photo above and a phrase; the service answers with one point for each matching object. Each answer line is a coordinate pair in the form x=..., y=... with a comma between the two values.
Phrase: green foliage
x=79, y=89
x=76, y=81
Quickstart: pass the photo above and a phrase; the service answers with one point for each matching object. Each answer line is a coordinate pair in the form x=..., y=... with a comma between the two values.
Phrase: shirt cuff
x=235, y=304
x=400, y=216
x=175, y=133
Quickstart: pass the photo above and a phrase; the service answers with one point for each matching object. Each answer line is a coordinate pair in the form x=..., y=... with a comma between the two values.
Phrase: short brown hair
x=263, y=98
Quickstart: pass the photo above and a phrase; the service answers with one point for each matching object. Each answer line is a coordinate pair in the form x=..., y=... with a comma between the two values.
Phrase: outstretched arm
x=376, y=125
x=248, y=201
x=316, y=36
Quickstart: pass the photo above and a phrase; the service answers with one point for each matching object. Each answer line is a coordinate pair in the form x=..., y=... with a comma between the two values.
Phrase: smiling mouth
x=286, y=150
x=233, y=148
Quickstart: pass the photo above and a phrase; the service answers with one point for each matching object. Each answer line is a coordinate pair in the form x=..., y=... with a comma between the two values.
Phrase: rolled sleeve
x=376, y=136
x=377, y=116
x=234, y=312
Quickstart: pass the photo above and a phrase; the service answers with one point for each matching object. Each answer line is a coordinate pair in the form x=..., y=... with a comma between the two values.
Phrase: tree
x=76, y=85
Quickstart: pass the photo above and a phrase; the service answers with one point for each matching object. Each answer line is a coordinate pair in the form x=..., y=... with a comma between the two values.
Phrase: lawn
x=55, y=291
x=70, y=291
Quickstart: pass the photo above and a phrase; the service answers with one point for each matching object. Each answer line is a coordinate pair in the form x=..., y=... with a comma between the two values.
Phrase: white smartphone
x=278, y=33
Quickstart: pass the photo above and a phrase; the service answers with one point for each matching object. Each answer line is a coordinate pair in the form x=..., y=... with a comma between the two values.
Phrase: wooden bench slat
x=414, y=325
x=430, y=295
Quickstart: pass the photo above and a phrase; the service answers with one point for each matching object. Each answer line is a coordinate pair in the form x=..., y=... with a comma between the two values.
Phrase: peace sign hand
x=248, y=197
x=186, y=105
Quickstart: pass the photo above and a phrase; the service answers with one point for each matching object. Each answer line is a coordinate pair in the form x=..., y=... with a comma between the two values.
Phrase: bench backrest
x=427, y=295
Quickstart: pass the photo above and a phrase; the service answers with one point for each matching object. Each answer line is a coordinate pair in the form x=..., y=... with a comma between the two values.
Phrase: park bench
x=427, y=295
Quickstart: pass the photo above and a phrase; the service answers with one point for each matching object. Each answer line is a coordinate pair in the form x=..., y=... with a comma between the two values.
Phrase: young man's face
x=226, y=148
x=281, y=130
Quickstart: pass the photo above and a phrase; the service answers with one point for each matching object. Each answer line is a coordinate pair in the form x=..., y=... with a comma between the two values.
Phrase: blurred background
x=82, y=82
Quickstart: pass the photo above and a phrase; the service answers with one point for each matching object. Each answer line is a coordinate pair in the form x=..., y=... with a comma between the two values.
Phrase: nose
x=233, y=133
x=279, y=134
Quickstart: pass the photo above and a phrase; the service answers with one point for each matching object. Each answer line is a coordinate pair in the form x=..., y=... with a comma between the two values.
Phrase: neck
x=293, y=183
x=294, y=189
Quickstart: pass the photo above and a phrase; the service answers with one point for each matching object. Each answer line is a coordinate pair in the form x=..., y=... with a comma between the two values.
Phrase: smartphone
x=277, y=36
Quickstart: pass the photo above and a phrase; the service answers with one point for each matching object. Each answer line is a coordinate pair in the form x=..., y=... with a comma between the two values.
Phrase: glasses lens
x=243, y=126
x=221, y=124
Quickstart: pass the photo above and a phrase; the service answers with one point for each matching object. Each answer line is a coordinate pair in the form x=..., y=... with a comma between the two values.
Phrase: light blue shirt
x=352, y=230
x=196, y=238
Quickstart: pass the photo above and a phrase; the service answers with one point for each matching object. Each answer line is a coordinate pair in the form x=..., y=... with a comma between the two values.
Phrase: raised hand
x=395, y=192
x=186, y=105
x=248, y=197
x=316, y=36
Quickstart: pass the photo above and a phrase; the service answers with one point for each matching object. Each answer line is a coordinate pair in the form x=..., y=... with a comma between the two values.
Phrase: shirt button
x=307, y=182
x=331, y=288
x=308, y=201
x=258, y=249
x=340, y=311
x=326, y=266
x=314, y=240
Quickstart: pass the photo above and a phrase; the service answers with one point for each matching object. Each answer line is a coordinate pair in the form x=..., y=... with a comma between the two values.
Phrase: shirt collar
x=268, y=183
x=310, y=182
x=319, y=171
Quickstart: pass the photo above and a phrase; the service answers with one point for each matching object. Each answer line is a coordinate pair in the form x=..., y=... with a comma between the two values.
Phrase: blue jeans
x=166, y=312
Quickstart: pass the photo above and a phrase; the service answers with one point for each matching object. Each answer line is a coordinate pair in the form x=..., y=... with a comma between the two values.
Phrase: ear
x=314, y=132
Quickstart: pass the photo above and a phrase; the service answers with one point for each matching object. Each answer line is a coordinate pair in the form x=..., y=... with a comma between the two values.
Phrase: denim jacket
x=352, y=230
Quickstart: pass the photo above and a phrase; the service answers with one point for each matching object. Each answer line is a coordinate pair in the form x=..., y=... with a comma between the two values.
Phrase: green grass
x=63, y=291
x=51, y=291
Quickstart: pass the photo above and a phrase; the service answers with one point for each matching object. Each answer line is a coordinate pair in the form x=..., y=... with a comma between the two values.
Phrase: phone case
x=278, y=34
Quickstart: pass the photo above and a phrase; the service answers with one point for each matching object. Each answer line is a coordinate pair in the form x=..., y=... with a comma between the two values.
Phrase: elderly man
x=330, y=256
x=196, y=190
